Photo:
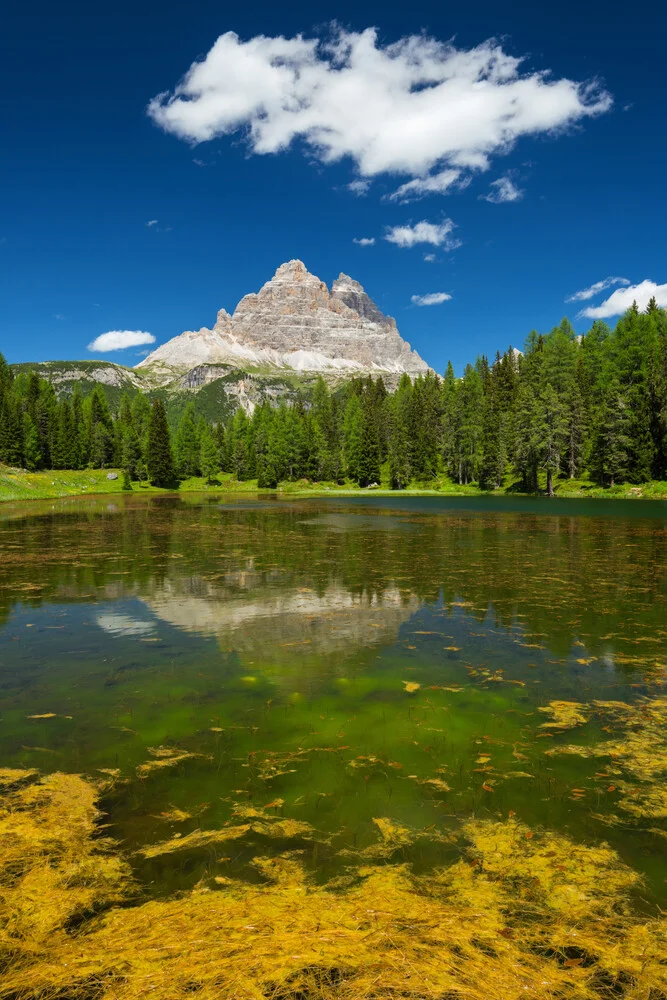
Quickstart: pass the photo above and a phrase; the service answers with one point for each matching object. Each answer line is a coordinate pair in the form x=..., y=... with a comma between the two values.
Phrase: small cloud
x=119, y=340
x=435, y=184
x=429, y=257
x=152, y=222
x=438, y=234
x=3, y=239
x=201, y=163
x=142, y=354
x=58, y=316
x=502, y=190
x=364, y=241
x=621, y=300
x=593, y=290
x=431, y=299
x=359, y=187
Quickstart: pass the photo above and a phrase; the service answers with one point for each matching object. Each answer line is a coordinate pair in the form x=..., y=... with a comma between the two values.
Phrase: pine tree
x=551, y=431
x=398, y=421
x=11, y=432
x=353, y=428
x=187, y=445
x=525, y=438
x=575, y=433
x=208, y=460
x=131, y=456
x=159, y=460
x=31, y=451
x=611, y=455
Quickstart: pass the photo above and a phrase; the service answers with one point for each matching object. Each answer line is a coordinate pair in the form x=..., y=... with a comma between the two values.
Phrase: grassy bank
x=15, y=484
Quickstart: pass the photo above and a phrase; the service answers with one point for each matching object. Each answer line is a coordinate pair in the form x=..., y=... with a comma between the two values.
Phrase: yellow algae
x=10, y=776
x=564, y=714
x=411, y=686
x=194, y=840
x=164, y=757
x=521, y=914
x=638, y=754
x=257, y=822
x=174, y=815
x=393, y=834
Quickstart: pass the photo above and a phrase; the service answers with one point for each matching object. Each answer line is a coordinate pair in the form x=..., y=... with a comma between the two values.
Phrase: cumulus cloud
x=431, y=299
x=439, y=234
x=416, y=107
x=151, y=222
x=118, y=340
x=364, y=241
x=435, y=184
x=621, y=300
x=593, y=290
x=429, y=257
x=504, y=189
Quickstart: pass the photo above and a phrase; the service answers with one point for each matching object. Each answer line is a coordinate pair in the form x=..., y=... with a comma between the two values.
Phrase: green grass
x=18, y=485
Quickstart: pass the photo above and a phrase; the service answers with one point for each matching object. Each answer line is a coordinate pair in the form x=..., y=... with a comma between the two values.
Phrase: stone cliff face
x=295, y=322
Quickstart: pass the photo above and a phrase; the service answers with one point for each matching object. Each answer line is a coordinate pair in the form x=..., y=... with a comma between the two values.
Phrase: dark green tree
x=159, y=459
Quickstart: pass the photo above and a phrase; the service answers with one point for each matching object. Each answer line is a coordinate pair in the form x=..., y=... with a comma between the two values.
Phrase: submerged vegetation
x=342, y=751
x=521, y=913
x=589, y=411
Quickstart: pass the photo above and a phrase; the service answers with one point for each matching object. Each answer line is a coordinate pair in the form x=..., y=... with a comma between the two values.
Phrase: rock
x=112, y=475
x=295, y=322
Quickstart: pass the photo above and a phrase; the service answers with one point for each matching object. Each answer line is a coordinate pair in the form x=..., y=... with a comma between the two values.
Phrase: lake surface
x=329, y=662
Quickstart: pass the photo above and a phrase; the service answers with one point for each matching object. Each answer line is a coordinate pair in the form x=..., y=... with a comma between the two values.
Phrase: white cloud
x=432, y=299
x=429, y=257
x=504, y=189
x=151, y=222
x=364, y=241
x=621, y=300
x=412, y=107
x=593, y=290
x=118, y=340
x=438, y=234
x=359, y=187
x=435, y=184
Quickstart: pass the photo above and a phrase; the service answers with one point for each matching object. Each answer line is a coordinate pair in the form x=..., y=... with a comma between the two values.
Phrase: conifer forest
x=591, y=406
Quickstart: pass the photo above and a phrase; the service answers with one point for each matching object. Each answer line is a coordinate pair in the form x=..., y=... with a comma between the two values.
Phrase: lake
x=341, y=679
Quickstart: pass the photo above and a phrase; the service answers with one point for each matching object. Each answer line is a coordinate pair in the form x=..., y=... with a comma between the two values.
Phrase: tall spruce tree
x=159, y=459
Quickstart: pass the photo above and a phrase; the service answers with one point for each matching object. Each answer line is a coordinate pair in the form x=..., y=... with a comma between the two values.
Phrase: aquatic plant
x=521, y=914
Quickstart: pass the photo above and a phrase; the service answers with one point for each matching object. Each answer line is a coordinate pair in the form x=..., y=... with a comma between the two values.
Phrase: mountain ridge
x=296, y=323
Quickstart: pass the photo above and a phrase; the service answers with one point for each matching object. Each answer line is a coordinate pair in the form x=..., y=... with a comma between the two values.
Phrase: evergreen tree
x=398, y=409
x=353, y=430
x=551, y=430
x=159, y=460
x=131, y=457
x=613, y=441
x=208, y=461
x=187, y=444
x=31, y=451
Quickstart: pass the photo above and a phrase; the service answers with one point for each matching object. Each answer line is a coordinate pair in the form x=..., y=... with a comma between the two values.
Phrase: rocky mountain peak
x=295, y=322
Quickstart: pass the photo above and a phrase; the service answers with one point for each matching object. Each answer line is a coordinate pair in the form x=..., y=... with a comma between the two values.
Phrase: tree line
x=576, y=406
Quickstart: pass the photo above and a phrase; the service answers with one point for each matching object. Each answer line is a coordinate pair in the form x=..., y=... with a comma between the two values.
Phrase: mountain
x=295, y=323
x=274, y=347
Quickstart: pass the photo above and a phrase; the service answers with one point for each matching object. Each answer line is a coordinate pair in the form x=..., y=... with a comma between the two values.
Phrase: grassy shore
x=15, y=484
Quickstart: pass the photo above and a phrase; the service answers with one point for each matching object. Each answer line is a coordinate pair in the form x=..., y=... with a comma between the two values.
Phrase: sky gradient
x=524, y=188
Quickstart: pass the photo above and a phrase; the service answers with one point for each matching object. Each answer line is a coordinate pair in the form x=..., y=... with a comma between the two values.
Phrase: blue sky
x=530, y=214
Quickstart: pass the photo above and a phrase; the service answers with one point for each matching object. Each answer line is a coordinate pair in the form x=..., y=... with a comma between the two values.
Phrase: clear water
x=275, y=640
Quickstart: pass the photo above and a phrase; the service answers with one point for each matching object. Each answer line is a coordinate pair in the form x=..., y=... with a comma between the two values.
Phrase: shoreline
x=17, y=486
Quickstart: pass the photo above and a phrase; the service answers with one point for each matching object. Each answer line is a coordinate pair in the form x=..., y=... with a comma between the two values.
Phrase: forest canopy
x=592, y=406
